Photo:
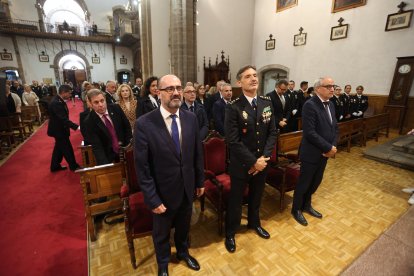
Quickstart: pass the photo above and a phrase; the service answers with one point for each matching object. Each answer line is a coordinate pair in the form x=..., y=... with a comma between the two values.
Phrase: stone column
x=183, y=39
x=146, y=40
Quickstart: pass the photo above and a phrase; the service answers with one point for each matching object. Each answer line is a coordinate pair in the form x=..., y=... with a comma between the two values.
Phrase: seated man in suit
x=169, y=165
x=110, y=92
x=281, y=105
x=106, y=128
x=219, y=107
x=192, y=105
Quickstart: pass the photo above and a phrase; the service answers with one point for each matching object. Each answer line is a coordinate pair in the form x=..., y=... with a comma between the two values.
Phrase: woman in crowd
x=201, y=94
x=128, y=103
x=31, y=99
x=149, y=101
x=86, y=86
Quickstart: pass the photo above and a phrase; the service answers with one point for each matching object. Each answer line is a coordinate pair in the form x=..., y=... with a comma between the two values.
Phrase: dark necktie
x=326, y=105
x=174, y=133
x=192, y=108
x=254, y=103
x=114, y=138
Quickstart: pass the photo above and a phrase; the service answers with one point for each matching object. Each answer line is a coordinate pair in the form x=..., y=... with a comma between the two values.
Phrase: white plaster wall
x=123, y=51
x=160, y=22
x=228, y=26
x=6, y=42
x=366, y=57
x=23, y=9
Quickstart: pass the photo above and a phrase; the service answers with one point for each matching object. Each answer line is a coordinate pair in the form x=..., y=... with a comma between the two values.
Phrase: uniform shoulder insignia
x=234, y=101
x=265, y=98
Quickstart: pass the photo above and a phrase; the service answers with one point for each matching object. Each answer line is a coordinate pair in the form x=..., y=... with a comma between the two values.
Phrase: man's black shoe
x=313, y=212
x=190, y=261
x=61, y=168
x=298, y=216
x=230, y=244
x=76, y=168
x=260, y=231
x=163, y=271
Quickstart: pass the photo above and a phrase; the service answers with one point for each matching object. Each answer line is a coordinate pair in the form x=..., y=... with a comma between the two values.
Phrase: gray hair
x=225, y=84
x=318, y=82
x=93, y=93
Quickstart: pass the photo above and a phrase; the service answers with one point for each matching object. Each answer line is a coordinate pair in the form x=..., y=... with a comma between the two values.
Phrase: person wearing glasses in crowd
x=320, y=132
x=190, y=104
x=169, y=165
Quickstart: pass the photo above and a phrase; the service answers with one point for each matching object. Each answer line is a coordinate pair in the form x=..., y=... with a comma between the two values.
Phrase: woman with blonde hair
x=31, y=99
x=128, y=103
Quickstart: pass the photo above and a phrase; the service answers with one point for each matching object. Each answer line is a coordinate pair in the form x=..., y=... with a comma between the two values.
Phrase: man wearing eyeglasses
x=320, y=132
x=192, y=105
x=169, y=166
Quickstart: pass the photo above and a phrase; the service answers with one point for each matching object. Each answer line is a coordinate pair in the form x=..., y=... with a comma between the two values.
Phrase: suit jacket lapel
x=159, y=121
x=100, y=124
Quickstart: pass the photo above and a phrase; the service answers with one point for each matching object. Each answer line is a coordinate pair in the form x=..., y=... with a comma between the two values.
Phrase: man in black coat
x=110, y=92
x=281, y=105
x=169, y=165
x=59, y=128
x=250, y=136
x=106, y=128
x=219, y=107
x=190, y=104
x=320, y=132
x=346, y=102
x=336, y=100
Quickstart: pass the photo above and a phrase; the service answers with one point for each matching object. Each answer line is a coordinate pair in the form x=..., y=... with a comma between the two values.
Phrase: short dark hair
x=347, y=86
x=244, y=68
x=292, y=81
x=65, y=88
x=303, y=83
x=280, y=82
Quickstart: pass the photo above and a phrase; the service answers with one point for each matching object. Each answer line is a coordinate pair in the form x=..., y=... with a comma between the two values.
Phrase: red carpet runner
x=42, y=229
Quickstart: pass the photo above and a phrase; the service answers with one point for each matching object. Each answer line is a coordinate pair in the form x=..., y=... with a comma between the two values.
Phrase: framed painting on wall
x=339, y=32
x=399, y=20
x=6, y=56
x=123, y=61
x=341, y=5
x=282, y=5
x=43, y=58
x=270, y=43
x=96, y=60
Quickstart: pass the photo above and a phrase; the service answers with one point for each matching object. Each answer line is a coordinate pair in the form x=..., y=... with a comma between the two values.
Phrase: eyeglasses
x=171, y=89
x=189, y=92
x=329, y=86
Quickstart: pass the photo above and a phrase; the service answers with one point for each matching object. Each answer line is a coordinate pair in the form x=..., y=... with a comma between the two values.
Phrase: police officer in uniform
x=339, y=106
x=359, y=103
x=346, y=102
x=251, y=135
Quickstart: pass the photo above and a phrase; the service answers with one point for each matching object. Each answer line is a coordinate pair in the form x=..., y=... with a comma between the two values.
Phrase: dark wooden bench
x=375, y=124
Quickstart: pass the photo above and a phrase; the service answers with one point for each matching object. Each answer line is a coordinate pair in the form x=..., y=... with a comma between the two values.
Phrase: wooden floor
x=358, y=197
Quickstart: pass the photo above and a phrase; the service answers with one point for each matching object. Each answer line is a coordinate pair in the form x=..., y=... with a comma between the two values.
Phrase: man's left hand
x=199, y=192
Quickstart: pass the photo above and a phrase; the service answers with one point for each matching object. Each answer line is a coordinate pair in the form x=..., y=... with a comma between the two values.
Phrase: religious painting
x=123, y=61
x=6, y=56
x=285, y=4
x=400, y=20
x=96, y=60
x=341, y=5
x=299, y=39
x=43, y=58
x=270, y=44
x=339, y=32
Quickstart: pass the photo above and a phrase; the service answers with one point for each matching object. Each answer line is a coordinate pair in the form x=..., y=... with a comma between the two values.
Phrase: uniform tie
x=174, y=133
x=254, y=103
x=114, y=138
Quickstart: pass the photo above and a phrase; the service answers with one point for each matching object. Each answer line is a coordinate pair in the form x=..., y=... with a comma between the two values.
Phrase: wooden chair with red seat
x=137, y=216
x=217, y=181
x=284, y=164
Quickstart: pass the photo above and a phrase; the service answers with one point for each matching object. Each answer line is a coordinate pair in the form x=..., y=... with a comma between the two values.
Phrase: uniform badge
x=244, y=115
x=266, y=114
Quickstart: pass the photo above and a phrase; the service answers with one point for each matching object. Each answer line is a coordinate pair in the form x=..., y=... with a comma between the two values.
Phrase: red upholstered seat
x=137, y=216
x=217, y=182
x=284, y=168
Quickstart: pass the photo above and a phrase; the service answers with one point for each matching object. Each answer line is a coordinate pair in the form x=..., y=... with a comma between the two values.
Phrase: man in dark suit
x=250, y=136
x=336, y=100
x=136, y=90
x=281, y=105
x=106, y=128
x=219, y=107
x=320, y=132
x=190, y=104
x=169, y=165
x=110, y=92
x=359, y=103
x=59, y=128
x=212, y=99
